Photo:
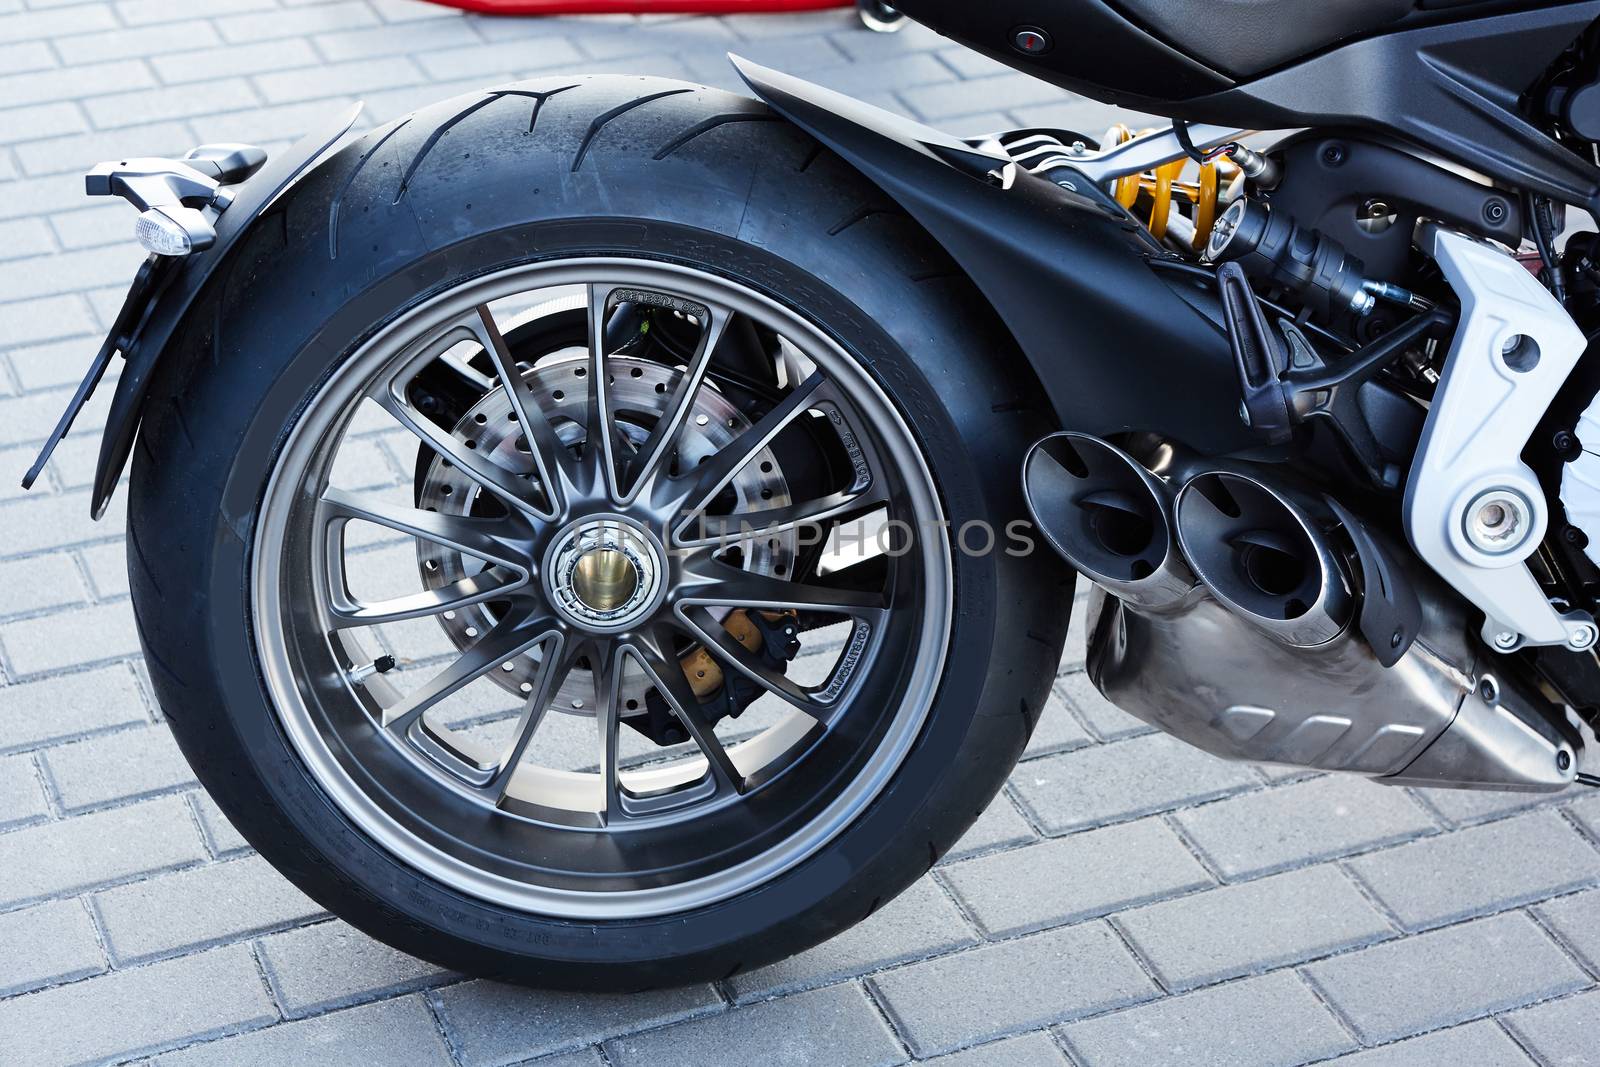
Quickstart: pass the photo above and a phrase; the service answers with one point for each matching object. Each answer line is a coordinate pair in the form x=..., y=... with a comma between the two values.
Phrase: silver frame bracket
x=1514, y=348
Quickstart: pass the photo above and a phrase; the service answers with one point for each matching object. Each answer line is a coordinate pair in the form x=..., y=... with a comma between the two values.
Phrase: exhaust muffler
x=1229, y=613
x=1108, y=516
x=1263, y=558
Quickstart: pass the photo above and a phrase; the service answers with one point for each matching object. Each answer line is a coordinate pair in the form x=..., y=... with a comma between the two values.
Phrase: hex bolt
x=1498, y=521
x=1582, y=636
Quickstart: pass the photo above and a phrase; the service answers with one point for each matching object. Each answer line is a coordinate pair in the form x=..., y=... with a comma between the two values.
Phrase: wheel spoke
x=709, y=581
x=487, y=539
x=503, y=642
x=645, y=465
x=550, y=457
x=704, y=483
x=346, y=612
x=724, y=530
x=390, y=394
x=554, y=664
x=654, y=653
x=603, y=445
x=605, y=661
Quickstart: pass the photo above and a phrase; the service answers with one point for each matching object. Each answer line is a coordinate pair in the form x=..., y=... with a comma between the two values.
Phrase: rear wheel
x=579, y=602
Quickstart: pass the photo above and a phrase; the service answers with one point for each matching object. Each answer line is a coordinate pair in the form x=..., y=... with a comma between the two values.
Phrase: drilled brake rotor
x=641, y=389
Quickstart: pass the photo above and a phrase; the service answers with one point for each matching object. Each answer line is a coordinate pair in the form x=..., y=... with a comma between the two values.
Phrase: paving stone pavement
x=1125, y=900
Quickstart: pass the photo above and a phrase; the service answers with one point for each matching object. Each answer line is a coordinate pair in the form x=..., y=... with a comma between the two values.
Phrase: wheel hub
x=556, y=385
x=604, y=574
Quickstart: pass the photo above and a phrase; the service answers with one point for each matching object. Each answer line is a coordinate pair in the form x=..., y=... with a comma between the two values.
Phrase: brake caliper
x=773, y=637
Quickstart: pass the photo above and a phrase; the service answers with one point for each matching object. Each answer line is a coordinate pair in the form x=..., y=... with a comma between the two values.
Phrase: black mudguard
x=1116, y=345
x=177, y=295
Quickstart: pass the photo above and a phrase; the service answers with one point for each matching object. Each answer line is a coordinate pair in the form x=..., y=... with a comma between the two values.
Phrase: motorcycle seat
x=1246, y=37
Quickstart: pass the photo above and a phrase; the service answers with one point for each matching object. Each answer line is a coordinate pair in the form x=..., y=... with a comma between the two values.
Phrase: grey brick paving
x=1301, y=822
x=188, y=909
x=1029, y=1050
x=1104, y=719
x=220, y=836
x=490, y=1023
x=21, y=793
x=1122, y=780
x=1207, y=937
x=118, y=766
x=837, y=1026
x=1444, y=878
x=331, y=965
x=1078, y=877
x=920, y=922
x=137, y=1011
x=1481, y=1044
x=1576, y=923
x=1125, y=897
x=394, y=1031
x=1000, y=826
x=71, y=705
x=53, y=942
x=1014, y=985
x=1562, y=1031
x=1270, y=1020
x=60, y=857
x=1446, y=976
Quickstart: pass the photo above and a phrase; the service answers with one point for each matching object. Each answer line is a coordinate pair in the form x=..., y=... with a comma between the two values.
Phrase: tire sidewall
x=972, y=735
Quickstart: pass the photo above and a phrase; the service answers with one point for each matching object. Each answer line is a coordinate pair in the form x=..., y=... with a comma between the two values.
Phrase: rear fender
x=1115, y=345
x=173, y=301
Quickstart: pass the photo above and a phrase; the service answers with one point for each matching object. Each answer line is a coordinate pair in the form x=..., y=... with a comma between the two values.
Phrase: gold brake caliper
x=703, y=672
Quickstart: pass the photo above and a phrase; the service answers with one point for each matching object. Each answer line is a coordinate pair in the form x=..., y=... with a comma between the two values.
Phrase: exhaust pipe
x=1108, y=516
x=1263, y=558
x=1226, y=617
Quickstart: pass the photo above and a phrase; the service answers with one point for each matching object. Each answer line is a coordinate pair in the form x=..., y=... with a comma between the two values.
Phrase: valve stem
x=381, y=665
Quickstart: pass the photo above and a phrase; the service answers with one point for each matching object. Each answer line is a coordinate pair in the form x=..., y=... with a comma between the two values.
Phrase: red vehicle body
x=640, y=7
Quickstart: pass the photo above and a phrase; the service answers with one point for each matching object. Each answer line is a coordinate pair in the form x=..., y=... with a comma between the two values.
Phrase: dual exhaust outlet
x=1264, y=623
x=1253, y=548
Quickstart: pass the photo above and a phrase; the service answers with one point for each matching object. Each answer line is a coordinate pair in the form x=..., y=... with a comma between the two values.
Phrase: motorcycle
x=606, y=532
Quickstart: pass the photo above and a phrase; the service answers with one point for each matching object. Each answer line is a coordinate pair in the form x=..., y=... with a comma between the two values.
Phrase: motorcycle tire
x=566, y=172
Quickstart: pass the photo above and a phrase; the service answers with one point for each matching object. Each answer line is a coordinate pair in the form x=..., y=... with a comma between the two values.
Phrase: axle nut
x=1498, y=521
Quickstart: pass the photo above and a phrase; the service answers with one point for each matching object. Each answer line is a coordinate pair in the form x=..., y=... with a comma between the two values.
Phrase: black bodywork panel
x=187, y=278
x=1447, y=77
x=1117, y=346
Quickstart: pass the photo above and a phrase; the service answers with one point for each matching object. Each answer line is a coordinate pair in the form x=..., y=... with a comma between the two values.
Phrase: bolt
x=1498, y=521
x=1494, y=212
x=1489, y=690
x=1396, y=637
x=1505, y=640
x=1566, y=444
x=1575, y=537
x=1563, y=760
x=1582, y=636
x=1333, y=155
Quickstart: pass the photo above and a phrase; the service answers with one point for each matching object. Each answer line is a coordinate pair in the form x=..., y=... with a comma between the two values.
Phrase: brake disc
x=640, y=390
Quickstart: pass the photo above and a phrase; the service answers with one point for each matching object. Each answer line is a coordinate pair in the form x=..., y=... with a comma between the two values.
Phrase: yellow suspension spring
x=1164, y=184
